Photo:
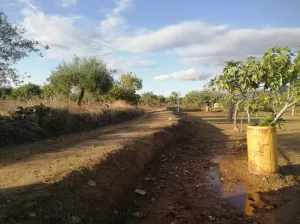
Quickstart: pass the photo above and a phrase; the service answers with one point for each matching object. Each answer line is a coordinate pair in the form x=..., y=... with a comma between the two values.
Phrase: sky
x=173, y=45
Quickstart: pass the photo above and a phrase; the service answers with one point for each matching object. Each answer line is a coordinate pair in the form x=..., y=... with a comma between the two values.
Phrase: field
x=189, y=167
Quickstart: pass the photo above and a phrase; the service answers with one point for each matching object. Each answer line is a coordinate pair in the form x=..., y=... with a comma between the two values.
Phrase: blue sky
x=173, y=45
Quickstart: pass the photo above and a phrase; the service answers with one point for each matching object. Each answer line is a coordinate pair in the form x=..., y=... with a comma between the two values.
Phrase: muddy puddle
x=275, y=207
x=238, y=195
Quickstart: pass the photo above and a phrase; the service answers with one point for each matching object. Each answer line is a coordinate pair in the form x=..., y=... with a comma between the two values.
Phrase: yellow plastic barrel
x=262, y=150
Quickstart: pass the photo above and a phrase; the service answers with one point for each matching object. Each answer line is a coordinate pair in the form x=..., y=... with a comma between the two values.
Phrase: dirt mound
x=32, y=123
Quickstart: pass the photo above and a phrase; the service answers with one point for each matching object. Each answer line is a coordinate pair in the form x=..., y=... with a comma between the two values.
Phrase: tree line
x=86, y=78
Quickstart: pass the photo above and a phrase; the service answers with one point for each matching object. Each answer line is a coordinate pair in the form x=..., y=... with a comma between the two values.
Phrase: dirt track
x=199, y=176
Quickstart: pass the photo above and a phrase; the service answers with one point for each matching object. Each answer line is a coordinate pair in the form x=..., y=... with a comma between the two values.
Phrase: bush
x=26, y=92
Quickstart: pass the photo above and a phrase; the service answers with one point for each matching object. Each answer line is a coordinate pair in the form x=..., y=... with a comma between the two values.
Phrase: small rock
x=222, y=179
x=149, y=178
x=116, y=212
x=211, y=218
x=140, y=192
x=92, y=183
x=170, y=207
x=138, y=215
x=250, y=198
x=153, y=199
x=269, y=207
x=75, y=219
x=32, y=215
x=8, y=201
x=170, y=118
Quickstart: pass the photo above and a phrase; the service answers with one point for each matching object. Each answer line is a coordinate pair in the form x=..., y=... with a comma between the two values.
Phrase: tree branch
x=291, y=104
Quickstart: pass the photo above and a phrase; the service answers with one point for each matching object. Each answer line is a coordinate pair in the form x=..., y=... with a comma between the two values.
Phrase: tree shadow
x=290, y=169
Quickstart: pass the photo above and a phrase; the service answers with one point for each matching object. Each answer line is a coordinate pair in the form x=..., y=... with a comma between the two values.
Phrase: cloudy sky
x=171, y=44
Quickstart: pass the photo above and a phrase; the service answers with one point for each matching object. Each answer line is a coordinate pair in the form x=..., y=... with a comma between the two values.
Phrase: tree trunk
x=241, y=129
x=293, y=110
x=248, y=114
x=281, y=112
x=207, y=108
x=236, y=111
x=81, y=96
x=230, y=112
x=274, y=109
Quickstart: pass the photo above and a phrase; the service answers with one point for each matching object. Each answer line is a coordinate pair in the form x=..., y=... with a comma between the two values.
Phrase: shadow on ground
x=87, y=193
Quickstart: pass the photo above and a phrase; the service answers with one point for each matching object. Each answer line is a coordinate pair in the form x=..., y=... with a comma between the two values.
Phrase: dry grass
x=62, y=118
x=7, y=106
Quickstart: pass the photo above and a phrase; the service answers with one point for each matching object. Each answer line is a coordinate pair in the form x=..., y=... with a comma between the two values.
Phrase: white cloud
x=114, y=19
x=111, y=22
x=63, y=37
x=28, y=3
x=66, y=40
x=197, y=43
x=122, y=5
x=181, y=34
x=189, y=74
x=68, y=3
x=207, y=61
x=200, y=44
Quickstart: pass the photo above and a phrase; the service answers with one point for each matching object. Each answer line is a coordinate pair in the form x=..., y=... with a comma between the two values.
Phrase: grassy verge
x=31, y=123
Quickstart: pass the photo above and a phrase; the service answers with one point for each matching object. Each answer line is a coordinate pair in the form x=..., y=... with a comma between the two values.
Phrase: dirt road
x=204, y=179
x=41, y=182
x=109, y=176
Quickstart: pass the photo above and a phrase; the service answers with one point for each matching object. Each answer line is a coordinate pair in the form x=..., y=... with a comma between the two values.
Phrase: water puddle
x=238, y=194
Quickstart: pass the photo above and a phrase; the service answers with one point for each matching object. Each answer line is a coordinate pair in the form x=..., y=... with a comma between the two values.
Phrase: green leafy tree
x=161, y=100
x=193, y=98
x=279, y=74
x=148, y=98
x=48, y=92
x=174, y=97
x=13, y=47
x=27, y=91
x=131, y=82
x=126, y=87
x=205, y=97
x=237, y=82
x=81, y=75
x=5, y=92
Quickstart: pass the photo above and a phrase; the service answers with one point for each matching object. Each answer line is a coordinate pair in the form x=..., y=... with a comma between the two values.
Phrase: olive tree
x=13, y=47
x=126, y=87
x=5, y=91
x=148, y=98
x=27, y=91
x=131, y=82
x=161, y=100
x=83, y=74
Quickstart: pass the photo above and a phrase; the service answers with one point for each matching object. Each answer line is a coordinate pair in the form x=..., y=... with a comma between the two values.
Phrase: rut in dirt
x=181, y=185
